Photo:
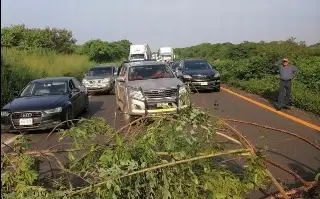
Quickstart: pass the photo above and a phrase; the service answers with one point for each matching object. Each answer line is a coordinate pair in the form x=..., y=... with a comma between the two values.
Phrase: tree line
x=62, y=41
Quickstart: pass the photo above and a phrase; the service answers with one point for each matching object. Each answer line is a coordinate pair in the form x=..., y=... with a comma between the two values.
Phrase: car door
x=121, y=85
x=74, y=97
x=114, y=75
x=82, y=93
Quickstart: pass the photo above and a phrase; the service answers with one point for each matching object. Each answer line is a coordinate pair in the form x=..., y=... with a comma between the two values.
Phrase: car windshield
x=196, y=65
x=137, y=56
x=45, y=88
x=107, y=71
x=149, y=72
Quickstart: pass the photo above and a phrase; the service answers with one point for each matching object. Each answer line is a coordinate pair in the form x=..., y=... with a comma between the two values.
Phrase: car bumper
x=202, y=85
x=99, y=88
x=40, y=123
x=138, y=108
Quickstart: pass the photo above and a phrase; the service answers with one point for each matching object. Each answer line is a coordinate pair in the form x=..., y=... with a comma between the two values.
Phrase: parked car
x=199, y=74
x=100, y=79
x=45, y=103
x=148, y=87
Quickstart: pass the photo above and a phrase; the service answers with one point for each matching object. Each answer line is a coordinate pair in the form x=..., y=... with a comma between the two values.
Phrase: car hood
x=95, y=77
x=36, y=103
x=208, y=72
x=153, y=84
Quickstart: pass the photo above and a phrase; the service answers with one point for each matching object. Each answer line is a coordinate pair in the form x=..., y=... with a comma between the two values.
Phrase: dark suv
x=199, y=74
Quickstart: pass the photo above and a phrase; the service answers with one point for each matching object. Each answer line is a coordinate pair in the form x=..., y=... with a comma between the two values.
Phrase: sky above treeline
x=177, y=23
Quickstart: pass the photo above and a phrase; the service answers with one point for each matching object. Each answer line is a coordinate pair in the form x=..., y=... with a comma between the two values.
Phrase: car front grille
x=202, y=77
x=95, y=81
x=26, y=115
x=161, y=93
x=35, y=115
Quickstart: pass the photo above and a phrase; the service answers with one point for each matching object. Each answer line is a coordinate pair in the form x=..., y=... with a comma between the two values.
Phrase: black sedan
x=45, y=103
x=199, y=74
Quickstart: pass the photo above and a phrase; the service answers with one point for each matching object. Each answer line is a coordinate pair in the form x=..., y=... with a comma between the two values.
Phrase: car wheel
x=117, y=102
x=217, y=89
x=112, y=91
x=68, y=116
x=127, y=117
x=86, y=106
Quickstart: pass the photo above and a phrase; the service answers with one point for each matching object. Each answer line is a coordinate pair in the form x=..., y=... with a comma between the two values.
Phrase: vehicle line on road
x=295, y=119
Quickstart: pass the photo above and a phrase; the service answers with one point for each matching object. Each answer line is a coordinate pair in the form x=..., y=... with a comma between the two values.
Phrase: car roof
x=142, y=63
x=102, y=66
x=53, y=79
x=194, y=59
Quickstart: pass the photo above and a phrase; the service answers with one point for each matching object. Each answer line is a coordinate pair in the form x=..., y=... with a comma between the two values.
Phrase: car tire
x=127, y=117
x=112, y=91
x=68, y=116
x=86, y=106
x=217, y=89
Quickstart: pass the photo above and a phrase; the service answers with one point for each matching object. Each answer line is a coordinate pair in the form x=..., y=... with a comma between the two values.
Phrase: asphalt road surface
x=284, y=149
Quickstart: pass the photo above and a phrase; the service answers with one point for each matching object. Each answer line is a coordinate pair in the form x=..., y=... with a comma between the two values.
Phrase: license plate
x=203, y=83
x=27, y=121
x=159, y=105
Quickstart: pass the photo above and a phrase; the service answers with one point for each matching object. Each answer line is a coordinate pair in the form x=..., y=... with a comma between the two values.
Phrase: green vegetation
x=28, y=54
x=172, y=157
x=250, y=66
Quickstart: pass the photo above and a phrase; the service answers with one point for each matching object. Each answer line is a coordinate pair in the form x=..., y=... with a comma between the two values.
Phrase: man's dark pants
x=284, y=97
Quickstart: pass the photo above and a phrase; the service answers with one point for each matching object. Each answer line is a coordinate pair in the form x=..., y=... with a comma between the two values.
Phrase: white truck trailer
x=165, y=54
x=139, y=52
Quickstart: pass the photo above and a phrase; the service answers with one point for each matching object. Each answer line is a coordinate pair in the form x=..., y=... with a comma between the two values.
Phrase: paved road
x=286, y=150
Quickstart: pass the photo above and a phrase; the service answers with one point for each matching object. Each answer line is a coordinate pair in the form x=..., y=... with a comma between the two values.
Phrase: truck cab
x=139, y=52
x=166, y=54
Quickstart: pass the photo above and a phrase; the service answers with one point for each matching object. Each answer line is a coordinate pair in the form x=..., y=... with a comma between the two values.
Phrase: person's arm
x=278, y=63
x=295, y=70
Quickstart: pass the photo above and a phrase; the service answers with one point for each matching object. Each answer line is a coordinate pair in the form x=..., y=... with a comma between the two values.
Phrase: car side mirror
x=16, y=93
x=75, y=90
x=179, y=74
x=120, y=79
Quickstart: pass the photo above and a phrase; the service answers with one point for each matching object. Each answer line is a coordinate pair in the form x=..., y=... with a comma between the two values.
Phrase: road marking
x=305, y=123
x=9, y=141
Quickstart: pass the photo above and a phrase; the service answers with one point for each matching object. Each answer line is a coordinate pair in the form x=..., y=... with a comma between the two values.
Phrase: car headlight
x=5, y=113
x=55, y=110
x=217, y=74
x=182, y=90
x=84, y=81
x=135, y=94
x=187, y=77
x=106, y=80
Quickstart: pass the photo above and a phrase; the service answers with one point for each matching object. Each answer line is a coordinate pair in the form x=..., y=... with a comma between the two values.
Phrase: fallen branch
x=246, y=143
x=239, y=151
x=275, y=129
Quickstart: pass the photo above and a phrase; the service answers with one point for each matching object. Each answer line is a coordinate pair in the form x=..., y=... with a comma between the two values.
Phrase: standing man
x=287, y=72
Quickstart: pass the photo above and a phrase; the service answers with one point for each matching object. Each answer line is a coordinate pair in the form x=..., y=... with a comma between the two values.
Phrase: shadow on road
x=271, y=97
x=94, y=107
